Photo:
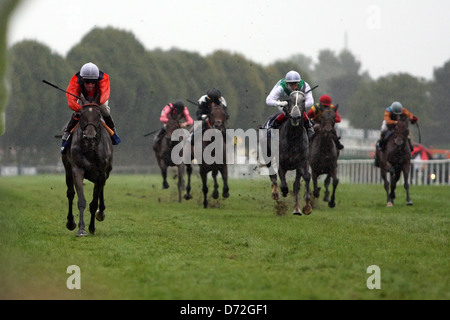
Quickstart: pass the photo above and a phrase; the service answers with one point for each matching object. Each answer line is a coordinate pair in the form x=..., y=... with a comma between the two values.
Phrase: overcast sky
x=386, y=36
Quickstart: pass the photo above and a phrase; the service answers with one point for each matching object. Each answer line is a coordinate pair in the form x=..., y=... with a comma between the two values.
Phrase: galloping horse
x=163, y=149
x=89, y=156
x=324, y=155
x=395, y=159
x=293, y=153
x=217, y=119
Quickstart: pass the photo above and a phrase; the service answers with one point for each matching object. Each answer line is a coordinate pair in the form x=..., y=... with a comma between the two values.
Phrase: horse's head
x=328, y=119
x=296, y=105
x=217, y=117
x=90, y=124
x=401, y=131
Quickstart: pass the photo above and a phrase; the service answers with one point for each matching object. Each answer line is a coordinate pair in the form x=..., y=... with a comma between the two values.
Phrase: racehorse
x=89, y=156
x=395, y=159
x=217, y=120
x=324, y=155
x=293, y=153
x=163, y=148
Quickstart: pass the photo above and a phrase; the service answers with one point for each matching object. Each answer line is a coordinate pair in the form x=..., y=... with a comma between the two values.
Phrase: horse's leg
x=383, y=173
x=406, y=169
x=93, y=206
x=327, y=181
x=315, y=176
x=307, y=209
x=215, y=194
x=163, y=167
x=204, y=175
x=283, y=187
x=188, y=195
x=395, y=176
x=275, y=193
x=180, y=185
x=296, y=191
x=224, y=173
x=71, y=225
x=78, y=175
x=332, y=202
x=100, y=214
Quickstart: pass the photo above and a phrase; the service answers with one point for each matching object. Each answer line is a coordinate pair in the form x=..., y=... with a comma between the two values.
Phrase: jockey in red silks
x=315, y=113
x=92, y=86
x=177, y=107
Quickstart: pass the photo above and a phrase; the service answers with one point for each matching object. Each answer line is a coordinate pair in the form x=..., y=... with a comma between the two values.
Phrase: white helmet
x=89, y=71
x=396, y=107
x=293, y=76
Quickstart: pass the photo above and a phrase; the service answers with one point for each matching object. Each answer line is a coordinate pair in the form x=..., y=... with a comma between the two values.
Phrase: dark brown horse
x=324, y=155
x=89, y=156
x=395, y=159
x=213, y=154
x=293, y=153
x=162, y=146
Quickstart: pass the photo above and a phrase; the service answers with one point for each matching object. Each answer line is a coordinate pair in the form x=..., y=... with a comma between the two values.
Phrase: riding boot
x=276, y=124
x=160, y=134
x=309, y=126
x=110, y=123
x=66, y=134
x=381, y=144
x=411, y=145
x=339, y=145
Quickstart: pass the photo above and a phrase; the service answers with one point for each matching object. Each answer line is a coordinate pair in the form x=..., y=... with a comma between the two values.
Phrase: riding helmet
x=214, y=95
x=293, y=76
x=178, y=105
x=325, y=100
x=89, y=71
x=396, y=107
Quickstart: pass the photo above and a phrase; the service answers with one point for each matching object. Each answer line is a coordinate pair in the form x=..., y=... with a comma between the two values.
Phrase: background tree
x=439, y=129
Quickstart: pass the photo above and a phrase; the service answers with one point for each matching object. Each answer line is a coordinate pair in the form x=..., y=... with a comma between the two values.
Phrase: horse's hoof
x=225, y=194
x=187, y=196
x=71, y=225
x=165, y=185
x=297, y=212
x=284, y=194
x=215, y=195
x=409, y=203
x=92, y=231
x=82, y=233
x=390, y=204
x=275, y=196
x=317, y=193
x=307, y=210
x=100, y=216
x=332, y=204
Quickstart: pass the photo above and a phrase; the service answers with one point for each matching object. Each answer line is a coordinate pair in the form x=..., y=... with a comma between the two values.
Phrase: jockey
x=389, y=122
x=315, y=113
x=92, y=86
x=177, y=107
x=213, y=95
x=282, y=89
x=204, y=104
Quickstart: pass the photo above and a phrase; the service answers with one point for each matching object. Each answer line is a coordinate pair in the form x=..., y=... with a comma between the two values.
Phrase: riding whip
x=154, y=131
x=56, y=87
x=316, y=86
x=418, y=129
x=194, y=103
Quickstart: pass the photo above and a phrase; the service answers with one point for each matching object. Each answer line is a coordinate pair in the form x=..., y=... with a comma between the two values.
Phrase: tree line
x=143, y=82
